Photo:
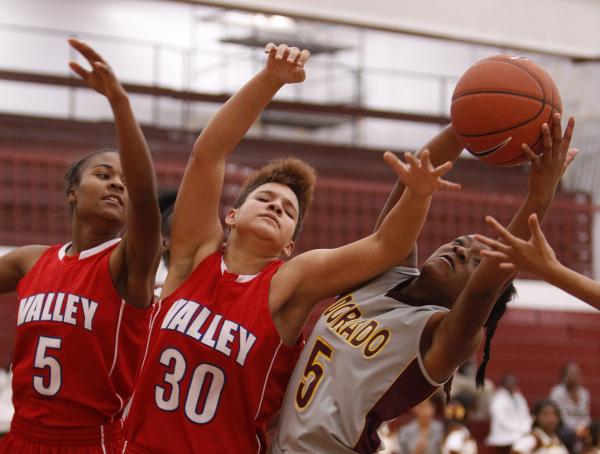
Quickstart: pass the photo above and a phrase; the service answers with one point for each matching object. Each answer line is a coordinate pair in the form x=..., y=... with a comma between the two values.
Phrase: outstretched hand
x=286, y=63
x=419, y=174
x=101, y=78
x=535, y=255
x=547, y=169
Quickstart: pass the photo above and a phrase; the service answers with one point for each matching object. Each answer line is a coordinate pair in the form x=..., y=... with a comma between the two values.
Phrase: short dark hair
x=490, y=326
x=291, y=172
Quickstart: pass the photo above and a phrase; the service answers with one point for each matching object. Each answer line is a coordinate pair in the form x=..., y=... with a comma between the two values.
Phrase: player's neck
x=424, y=292
x=245, y=260
x=86, y=236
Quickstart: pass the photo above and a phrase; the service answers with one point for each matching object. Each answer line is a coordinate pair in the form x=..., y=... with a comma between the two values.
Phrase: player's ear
x=288, y=248
x=71, y=195
x=230, y=217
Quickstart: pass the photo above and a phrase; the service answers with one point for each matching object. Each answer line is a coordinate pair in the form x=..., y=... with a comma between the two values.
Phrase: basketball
x=500, y=103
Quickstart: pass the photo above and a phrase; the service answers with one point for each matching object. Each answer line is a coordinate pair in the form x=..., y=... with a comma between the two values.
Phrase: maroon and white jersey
x=360, y=367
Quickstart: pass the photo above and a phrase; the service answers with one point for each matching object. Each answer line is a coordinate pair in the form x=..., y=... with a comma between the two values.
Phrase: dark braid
x=491, y=324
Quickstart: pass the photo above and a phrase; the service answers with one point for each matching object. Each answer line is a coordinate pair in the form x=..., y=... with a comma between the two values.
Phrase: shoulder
x=25, y=257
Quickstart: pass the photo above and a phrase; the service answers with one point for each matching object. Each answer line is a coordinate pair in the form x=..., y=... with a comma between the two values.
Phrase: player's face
x=451, y=265
x=101, y=192
x=271, y=212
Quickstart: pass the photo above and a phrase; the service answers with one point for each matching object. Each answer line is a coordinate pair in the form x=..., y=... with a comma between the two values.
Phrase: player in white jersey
x=383, y=348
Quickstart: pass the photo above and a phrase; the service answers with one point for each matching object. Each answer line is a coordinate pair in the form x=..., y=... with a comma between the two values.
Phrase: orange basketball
x=500, y=103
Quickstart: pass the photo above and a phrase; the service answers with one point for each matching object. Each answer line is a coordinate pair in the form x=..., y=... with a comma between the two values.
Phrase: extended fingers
x=78, y=69
x=412, y=160
x=425, y=160
x=449, y=185
x=494, y=244
x=495, y=255
x=556, y=130
x=571, y=154
x=392, y=160
x=505, y=234
x=535, y=229
x=442, y=169
x=568, y=135
x=90, y=54
x=534, y=159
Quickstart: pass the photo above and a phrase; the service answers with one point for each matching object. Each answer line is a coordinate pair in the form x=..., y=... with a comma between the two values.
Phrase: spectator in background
x=543, y=438
x=573, y=401
x=592, y=439
x=463, y=384
x=510, y=418
x=6, y=407
x=457, y=438
x=423, y=435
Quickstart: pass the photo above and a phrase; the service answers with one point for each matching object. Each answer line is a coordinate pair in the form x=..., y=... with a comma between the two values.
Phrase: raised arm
x=196, y=230
x=134, y=262
x=310, y=277
x=445, y=146
x=537, y=256
x=458, y=334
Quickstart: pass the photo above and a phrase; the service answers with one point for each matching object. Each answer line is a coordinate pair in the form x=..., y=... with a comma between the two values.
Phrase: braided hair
x=498, y=311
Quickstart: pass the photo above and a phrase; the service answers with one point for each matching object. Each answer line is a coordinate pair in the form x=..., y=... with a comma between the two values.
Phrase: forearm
x=401, y=227
x=136, y=161
x=442, y=148
x=229, y=125
x=580, y=286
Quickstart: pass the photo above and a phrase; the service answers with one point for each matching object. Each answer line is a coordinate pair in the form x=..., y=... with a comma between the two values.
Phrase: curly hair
x=291, y=172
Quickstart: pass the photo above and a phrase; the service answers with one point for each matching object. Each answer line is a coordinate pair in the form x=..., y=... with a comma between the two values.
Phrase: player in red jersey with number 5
x=83, y=313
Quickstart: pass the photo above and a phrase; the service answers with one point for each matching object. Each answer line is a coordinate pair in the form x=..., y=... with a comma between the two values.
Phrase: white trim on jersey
x=102, y=439
x=241, y=278
x=62, y=252
x=112, y=368
x=267, y=378
x=153, y=318
x=431, y=381
x=259, y=445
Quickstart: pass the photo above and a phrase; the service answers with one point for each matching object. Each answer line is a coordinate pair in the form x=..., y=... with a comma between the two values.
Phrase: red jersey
x=216, y=367
x=78, y=345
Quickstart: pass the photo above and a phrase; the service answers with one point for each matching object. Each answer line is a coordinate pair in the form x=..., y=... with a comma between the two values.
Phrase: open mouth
x=449, y=260
x=114, y=198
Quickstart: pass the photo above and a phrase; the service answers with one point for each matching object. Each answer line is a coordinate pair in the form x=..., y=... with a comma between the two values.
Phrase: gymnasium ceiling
x=559, y=27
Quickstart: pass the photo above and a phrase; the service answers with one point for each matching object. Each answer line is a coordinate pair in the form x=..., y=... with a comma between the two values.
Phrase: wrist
x=554, y=272
x=271, y=79
x=118, y=98
x=540, y=199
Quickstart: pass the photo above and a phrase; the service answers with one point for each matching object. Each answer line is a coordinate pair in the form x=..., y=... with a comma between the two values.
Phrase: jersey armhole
x=430, y=380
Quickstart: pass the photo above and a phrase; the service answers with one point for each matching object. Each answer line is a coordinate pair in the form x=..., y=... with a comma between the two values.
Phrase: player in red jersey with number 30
x=222, y=345
x=83, y=314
